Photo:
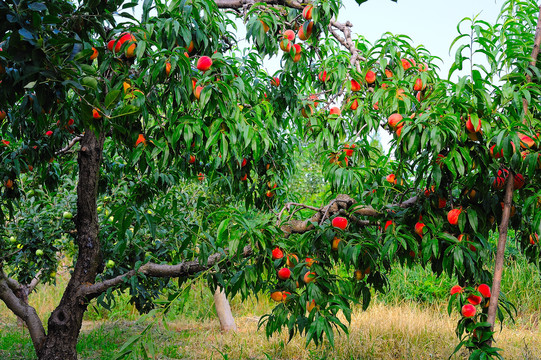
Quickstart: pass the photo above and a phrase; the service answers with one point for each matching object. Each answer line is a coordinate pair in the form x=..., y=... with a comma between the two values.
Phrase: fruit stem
x=498, y=266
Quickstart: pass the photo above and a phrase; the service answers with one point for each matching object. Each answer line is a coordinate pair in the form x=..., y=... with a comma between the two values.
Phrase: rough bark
x=498, y=266
x=66, y=320
x=227, y=321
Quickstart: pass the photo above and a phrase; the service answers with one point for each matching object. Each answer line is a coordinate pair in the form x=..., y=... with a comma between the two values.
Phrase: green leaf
x=111, y=98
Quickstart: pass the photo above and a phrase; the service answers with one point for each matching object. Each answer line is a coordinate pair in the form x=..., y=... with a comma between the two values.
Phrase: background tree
x=151, y=107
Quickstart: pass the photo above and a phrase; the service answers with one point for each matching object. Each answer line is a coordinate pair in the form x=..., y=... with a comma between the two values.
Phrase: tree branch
x=237, y=4
x=72, y=143
x=185, y=268
x=24, y=311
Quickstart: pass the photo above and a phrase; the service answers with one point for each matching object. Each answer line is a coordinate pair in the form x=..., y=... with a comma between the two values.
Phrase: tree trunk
x=227, y=322
x=66, y=320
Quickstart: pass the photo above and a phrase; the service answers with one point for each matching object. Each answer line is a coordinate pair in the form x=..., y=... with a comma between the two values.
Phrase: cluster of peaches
x=470, y=299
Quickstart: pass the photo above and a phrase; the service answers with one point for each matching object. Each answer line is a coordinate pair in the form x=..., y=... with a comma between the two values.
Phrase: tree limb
x=185, y=268
x=72, y=143
x=24, y=311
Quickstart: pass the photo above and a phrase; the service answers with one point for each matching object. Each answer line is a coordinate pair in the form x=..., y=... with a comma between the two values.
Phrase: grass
x=410, y=321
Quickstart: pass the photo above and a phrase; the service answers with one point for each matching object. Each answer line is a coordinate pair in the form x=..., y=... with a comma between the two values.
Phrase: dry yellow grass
x=406, y=331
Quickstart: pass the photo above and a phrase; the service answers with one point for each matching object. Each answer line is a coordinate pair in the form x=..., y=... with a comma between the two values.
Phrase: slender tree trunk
x=227, y=322
x=498, y=267
x=66, y=320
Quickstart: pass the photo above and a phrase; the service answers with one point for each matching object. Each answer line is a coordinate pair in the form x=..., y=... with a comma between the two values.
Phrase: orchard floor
x=404, y=331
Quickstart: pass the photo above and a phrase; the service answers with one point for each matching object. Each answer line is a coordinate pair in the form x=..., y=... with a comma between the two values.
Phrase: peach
x=197, y=92
x=310, y=262
x=96, y=114
x=289, y=35
x=140, y=140
x=191, y=159
x=292, y=260
x=335, y=111
x=391, y=178
x=406, y=64
x=275, y=81
x=534, y=239
x=388, y=223
x=200, y=176
x=388, y=73
x=2, y=115
x=269, y=194
x=284, y=274
x=394, y=119
x=349, y=149
x=310, y=305
x=468, y=310
x=452, y=216
x=518, y=181
x=190, y=47
x=399, y=129
x=419, y=226
x=9, y=183
x=305, y=31
x=441, y=202
x=167, y=68
x=322, y=76
x=340, y=222
x=484, y=289
x=359, y=275
x=309, y=277
x=277, y=296
x=204, y=63
x=277, y=253
x=265, y=26
x=474, y=299
x=354, y=105
x=94, y=54
x=370, y=77
x=457, y=289
x=307, y=12
x=244, y=177
x=526, y=142
x=471, y=127
x=335, y=242
x=298, y=52
x=355, y=86
x=305, y=114
x=419, y=86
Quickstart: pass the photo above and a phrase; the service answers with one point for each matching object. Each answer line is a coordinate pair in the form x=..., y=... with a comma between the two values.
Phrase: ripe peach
x=335, y=111
x=49, y=133
x=474, y=299
x=355, y=86
x=388, y=73
x=441, y=202
x=140, y=139
x=468, y=310
x=190, y=46
x=5, y=142
x=388, y=223
x=484, y=289
x=471, y=127
x=340, y=222
x=457, y=289
x=275, y=81
x=298, y=52
x=349, y=149
x=197, y=92
x=391, y=178
x=399, y=129
x=407, y=63
x=534, y=239
x=354, y=105
x=289, y=35
x=335, y=242
x=310, y=262
x=96, y=114
x=9, y=183
x=307, y=12
x=191, y=159
x=269, y=194
x=394, y=119
x=286, y=45
x=419, y=86
x=518, y=181
x=167, y=68
x=277, y=253
x=277, y=296
x=284, y=274
x=419, y=226
x=244, y=177
x=310, y=305
x=526, y=142
x=204, y=63
x=370, y=77
x=2, y=115
x=305, y=31
x=265, y=26
x=309, y=277
x=200, y=176
x=292, y=260
x=322, y=76
x=94, y=54
x=452, y=216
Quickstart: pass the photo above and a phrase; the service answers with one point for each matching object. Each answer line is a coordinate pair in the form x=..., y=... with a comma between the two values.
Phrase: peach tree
x=152, y=147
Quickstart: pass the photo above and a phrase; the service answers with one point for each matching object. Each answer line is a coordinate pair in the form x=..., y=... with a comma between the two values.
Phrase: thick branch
x=72, y=143
x=237, y=4
x=347, y=42
x=24, y=311
x=185, y=268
